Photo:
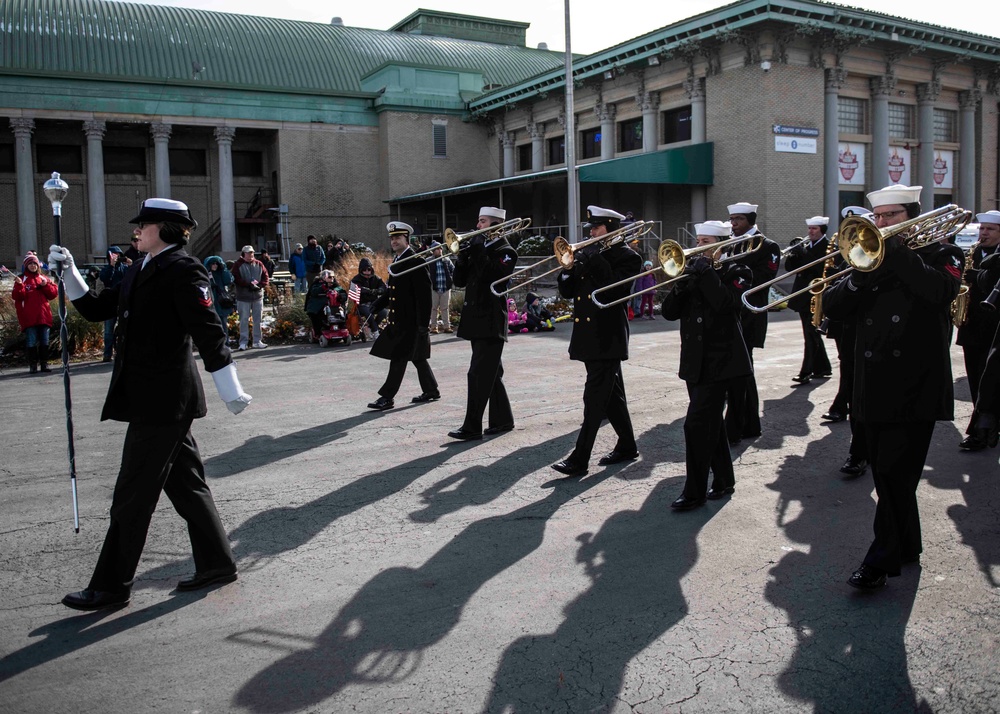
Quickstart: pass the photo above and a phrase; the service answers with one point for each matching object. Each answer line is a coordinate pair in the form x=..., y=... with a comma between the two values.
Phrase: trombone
x=862, y=246
x=455, y=242
x=564, y=251
x=672, y=258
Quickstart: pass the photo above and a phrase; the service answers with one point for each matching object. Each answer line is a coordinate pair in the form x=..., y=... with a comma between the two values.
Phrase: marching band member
x=406, y=337
x=985, y=420
x=903, y=378
x=600, y=341
x=815, y=363
x=713, y=354
x=743, y=412
x=484, y=323
x=976, y=335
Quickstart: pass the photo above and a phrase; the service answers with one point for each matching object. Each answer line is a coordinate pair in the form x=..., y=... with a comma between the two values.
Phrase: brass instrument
x=960, y=305
x=672, y=259
x=454, y=242
x=862, y=246
x=563, y=253
x=795, y=243
x=816, y=302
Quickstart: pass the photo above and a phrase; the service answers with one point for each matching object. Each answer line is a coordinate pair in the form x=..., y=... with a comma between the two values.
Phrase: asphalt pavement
x=386, y=568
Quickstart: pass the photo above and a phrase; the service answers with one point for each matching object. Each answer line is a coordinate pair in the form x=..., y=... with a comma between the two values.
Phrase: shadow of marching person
x=635, y=562
x=380, y=635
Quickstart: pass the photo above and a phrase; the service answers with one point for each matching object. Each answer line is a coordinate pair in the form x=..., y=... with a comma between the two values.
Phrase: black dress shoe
x=381, y=404
x=570, y=468
x=616, y=457
x=426, y=397
x=714, y=494
x=686, y=504
x=972, y=443
x=910, y=560
x=216, y=576
x=499, y=429
x=833, y=416
x=802, y=378
x=96, y=599
x=822, y=375
x=866, y=578
x=463, y=435
x=854, y=466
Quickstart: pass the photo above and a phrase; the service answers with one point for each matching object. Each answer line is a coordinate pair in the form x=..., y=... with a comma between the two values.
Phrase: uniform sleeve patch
x=206, y=295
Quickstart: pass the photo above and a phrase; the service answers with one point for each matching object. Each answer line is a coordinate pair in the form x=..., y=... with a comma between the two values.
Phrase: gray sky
x=593, y=28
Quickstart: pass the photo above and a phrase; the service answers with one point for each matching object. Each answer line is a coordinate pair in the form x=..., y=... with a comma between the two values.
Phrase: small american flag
x=354, y=294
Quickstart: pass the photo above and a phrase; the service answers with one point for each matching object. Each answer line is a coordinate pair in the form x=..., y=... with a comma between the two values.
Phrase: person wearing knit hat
x=976, y=334
x=164, y=307
x=31, y=295
x=762, y=256
x=815, y=362
x=903, y=382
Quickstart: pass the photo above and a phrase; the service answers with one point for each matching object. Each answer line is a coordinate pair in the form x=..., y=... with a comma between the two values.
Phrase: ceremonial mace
x=55, y=190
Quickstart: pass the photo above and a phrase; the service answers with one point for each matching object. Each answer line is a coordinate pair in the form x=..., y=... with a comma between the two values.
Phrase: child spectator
x=646, y=299
x=516, y=321
x=538, y=319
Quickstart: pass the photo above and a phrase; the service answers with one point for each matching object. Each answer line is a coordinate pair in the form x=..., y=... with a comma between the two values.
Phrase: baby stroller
x=334, y=320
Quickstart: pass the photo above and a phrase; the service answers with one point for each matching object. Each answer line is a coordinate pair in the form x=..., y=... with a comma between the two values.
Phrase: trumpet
x=454, y=242
x=795, y=243
x=564, y=251
x=672, y=258
x=862, y=246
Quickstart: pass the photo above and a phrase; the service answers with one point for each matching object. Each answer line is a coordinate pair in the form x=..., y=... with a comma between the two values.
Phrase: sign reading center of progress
x=795, y=139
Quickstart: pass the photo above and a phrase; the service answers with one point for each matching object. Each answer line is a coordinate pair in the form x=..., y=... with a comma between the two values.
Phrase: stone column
x=831, y=137
x=95, y=186
x=161, y=157
x=881, y=88
x=27, y=225
x=968, y=102
x=227, y=211
x=507, y=141
x=537, y=132
x=606, y=115
x=695, y=88
x=927, y=95
x=649, y=103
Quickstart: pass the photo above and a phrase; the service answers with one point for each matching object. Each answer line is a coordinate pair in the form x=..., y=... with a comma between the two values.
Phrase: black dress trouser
x=743, y=410
x=604, y=398
x=155, y=458
x=706, y=444
x=814, y=358
x=486, y=386
x=397, y=368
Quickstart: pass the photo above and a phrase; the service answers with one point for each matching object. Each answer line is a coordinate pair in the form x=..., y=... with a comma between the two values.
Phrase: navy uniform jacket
x=763, y=263
x=708, y=306
x=598, y=333
x=804, y=253
x=484, y=315
x=903, y=321
x=408, y=298
x=981, y=325
x=161, y=311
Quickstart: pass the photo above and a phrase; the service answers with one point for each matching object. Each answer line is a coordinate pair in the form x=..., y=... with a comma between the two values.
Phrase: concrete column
x=161, y=157
x=507, y=141
x=227, y=211
x=649, y=103
x=27, y=225
x=968, y=102
x=695, y=88
x=881, y=87
x=537, y=132
x=95, y=186
x=927, y=95
x=606, y=115
x=831, y=137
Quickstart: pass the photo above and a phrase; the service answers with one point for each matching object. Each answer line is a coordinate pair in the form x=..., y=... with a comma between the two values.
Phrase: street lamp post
x=55, y=190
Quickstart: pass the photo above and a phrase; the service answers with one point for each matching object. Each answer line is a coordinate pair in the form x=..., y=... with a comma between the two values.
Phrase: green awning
x=684, y=165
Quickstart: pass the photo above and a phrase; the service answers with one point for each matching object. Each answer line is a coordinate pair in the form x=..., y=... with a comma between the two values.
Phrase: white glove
x=76, y=286
x=229, y=388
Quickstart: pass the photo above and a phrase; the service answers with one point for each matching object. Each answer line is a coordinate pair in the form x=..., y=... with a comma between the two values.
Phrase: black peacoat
x=803, y=254
x=763, y=263
x=600, y=333
x=981, y=325
x=708, y=306
x=484, y=315
x=408, y=297
x=162, y=309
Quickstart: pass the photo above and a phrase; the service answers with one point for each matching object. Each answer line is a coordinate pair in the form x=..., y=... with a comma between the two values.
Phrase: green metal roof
x=686, y=165
x=105, y=40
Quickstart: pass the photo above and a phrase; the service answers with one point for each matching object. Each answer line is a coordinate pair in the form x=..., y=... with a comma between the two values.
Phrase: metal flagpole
x=572, y=184
x=55, y=190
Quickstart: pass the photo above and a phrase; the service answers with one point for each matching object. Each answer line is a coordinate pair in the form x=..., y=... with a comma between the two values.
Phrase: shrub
x=535, y=245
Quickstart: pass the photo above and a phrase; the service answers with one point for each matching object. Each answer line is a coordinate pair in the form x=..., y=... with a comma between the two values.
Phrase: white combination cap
x=854, y=211
x=818, y=221
x=989, y=217
x=897, y=194
x=713, y=228
x=395, y=227
x=742, y=208
x=597, y=213
x=493, y=212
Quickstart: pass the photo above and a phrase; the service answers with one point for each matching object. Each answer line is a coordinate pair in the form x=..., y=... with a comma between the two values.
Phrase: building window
x=677, y=125
x=440, y=139
x=851, y=198
x=248, y=163
x=63, y=158
x=188, y=162
x=945, y=125
x=900, y=121
x=125, y=160
x=631, y=135
x=524, y=157
x=942, y=199
x=851, y=115
x=7, y=165
x=590, y=143
x=557, y=150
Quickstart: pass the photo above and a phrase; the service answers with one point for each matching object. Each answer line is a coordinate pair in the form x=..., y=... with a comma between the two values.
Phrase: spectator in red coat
x=32, y=293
